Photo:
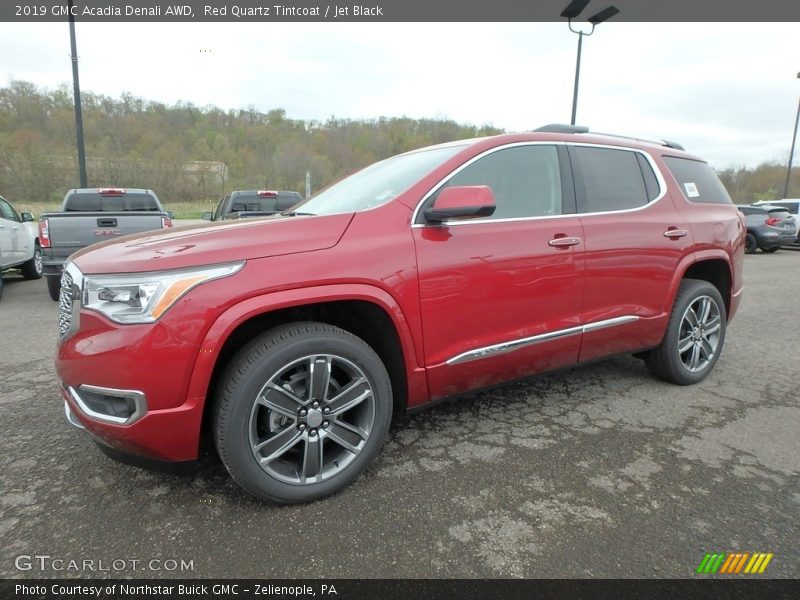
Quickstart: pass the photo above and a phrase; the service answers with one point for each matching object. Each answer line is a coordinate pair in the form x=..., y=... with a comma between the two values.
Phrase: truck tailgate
x=70, y=232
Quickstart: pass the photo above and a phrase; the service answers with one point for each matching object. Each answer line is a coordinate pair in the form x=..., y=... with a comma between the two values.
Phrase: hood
x=211, y=243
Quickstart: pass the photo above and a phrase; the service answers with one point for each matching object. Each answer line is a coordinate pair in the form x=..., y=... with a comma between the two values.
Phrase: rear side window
x=697, y=181
x=99, y=203
x=613, y=180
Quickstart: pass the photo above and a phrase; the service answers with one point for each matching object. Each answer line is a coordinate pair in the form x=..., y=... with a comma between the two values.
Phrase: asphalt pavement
x=600, y=471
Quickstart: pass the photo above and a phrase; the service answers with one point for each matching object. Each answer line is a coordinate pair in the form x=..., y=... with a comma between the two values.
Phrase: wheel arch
x=367, y=312
x=711, y=266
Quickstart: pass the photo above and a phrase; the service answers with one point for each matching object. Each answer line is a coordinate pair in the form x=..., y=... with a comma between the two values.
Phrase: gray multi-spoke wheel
x=699, y=336
x=694, y=336
x=302, y=411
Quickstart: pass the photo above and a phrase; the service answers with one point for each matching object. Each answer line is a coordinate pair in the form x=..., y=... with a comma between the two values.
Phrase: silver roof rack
x=560, y=128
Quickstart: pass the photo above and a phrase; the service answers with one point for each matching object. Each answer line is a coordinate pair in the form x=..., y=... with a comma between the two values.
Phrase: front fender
x=239, y=313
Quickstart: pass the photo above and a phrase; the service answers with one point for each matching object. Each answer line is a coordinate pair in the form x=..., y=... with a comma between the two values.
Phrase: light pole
x=791, y=152
x=573, y=9
x=76, y=91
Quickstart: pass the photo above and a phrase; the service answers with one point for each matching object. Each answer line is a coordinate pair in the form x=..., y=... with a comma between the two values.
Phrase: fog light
x=121, y=407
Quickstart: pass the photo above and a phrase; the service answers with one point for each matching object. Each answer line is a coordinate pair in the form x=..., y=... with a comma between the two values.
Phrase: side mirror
x=461, y=202
x=26, y=217
x=206, y=216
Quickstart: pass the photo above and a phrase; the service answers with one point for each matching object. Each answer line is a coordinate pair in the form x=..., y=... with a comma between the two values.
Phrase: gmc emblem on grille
x=107, y=232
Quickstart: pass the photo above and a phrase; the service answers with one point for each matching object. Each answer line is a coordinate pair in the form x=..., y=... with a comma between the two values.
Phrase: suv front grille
x=65, y=304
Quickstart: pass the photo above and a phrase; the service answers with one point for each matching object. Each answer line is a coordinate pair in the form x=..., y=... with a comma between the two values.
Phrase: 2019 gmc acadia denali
x=292, y=339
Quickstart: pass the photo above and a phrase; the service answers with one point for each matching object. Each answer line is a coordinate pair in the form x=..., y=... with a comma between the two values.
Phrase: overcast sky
x=726, y=91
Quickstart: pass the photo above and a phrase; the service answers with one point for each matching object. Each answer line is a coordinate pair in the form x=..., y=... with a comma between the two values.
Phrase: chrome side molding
x=512, y=345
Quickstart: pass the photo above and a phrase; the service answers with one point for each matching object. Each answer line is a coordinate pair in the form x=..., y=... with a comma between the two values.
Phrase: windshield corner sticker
x=691, y=189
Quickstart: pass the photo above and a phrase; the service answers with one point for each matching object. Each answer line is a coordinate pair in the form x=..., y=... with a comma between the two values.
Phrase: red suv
x=291, y=339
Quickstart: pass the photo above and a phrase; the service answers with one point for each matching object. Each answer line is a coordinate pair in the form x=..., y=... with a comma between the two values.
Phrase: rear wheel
x=750, y=245
x=694, y=337
x=301, y=412
x=33, y=268
x=54, y=287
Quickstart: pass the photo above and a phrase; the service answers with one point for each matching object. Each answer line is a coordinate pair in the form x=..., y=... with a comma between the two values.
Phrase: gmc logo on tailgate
x=107, y=232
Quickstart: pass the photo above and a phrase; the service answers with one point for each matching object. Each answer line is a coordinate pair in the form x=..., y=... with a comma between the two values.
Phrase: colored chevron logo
x=734, y=563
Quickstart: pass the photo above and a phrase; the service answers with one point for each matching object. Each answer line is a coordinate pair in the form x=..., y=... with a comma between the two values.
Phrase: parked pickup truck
x=94, y=215
x=253, y=203
x=290, y=341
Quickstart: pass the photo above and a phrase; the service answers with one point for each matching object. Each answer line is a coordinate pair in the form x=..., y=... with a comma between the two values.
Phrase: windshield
x=378, y=183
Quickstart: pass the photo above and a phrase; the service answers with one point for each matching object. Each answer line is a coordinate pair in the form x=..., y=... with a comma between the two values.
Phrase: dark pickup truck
x=253, y=203
x=94, y=215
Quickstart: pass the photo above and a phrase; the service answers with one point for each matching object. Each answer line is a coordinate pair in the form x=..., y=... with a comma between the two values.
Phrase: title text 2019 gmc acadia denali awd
x=291, y=339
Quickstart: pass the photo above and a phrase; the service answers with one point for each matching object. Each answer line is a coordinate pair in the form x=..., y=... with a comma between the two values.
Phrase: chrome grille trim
x=65, y=304
x=69, y=301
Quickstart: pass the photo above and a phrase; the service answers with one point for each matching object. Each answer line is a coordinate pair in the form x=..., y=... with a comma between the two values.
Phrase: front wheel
x=695, y=335
x=54, y=288
x=301, y=411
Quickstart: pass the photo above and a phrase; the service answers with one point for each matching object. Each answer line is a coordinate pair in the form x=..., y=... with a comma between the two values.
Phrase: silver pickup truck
x=94, y=215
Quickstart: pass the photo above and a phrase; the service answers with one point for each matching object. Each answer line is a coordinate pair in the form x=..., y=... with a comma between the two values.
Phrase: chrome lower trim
x=139, y=401
x=513, y=345
x=70, y=417
x=610, y=323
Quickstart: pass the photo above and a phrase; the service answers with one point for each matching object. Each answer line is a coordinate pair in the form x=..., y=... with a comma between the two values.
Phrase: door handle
x=676, y=233
x=564, y=242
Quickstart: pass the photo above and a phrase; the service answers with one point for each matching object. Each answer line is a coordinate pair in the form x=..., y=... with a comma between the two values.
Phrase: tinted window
x=612, y=179
x=7, y=212
x=650, y=181
x=252, y=202
x=525, y=180
x=750, y=210
x=791, y=206
x=93, y=202
x=697, y=181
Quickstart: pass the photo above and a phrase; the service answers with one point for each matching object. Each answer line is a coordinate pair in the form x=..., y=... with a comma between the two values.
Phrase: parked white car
x=790, y=204
x=19, y=242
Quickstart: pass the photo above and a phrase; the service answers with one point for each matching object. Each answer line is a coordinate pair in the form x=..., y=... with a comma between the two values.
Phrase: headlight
x=144, y=297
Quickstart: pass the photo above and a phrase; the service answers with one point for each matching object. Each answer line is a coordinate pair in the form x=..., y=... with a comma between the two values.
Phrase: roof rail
x=675, y=145
x=559, y=128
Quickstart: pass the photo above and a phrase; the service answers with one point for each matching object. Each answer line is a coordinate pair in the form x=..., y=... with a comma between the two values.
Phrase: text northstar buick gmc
x=290, y=340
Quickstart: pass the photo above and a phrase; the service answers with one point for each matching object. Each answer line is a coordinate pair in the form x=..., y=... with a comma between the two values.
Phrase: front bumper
x=147, y=366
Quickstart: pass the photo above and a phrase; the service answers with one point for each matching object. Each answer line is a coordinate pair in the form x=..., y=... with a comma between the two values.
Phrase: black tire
x=771, y=250
x=750, y=244
x=33, y=268
x=245, y=425
x=667, y=361
x=54, y=287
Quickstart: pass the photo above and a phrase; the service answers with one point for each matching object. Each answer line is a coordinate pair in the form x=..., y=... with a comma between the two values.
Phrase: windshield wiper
x=297, y=214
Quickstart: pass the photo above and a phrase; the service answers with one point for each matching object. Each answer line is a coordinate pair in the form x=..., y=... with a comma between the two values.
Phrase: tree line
x=178, y=150
x=190, y=153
